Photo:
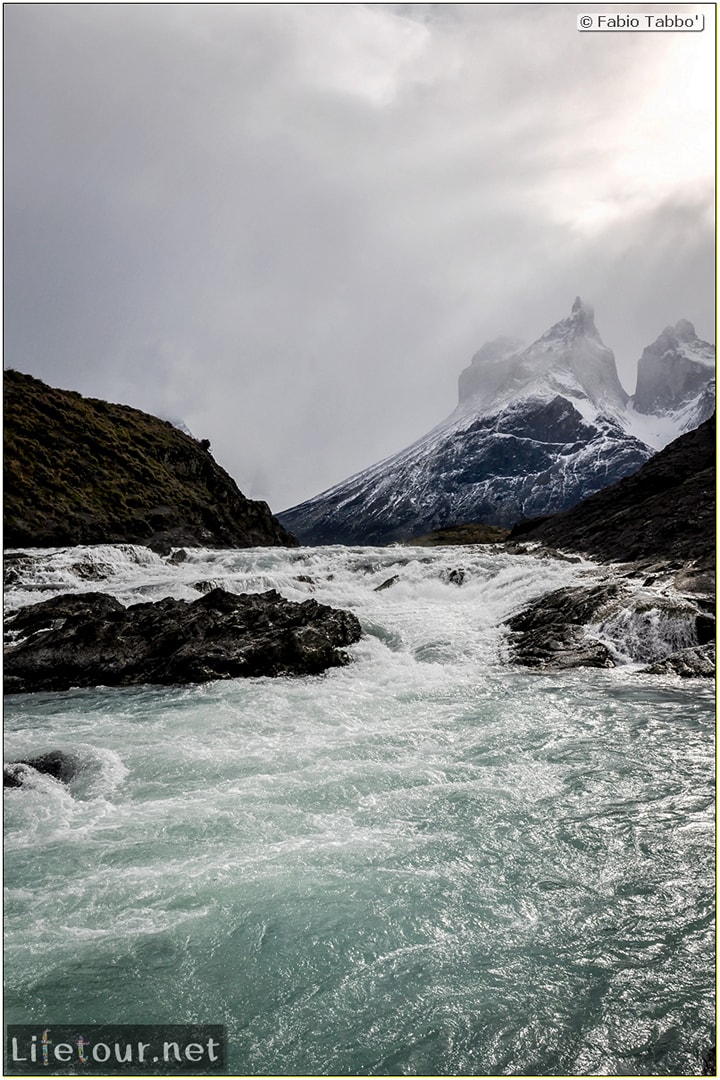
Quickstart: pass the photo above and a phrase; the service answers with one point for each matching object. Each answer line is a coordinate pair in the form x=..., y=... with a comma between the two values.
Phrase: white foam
x=403, y=822
x=642, y=636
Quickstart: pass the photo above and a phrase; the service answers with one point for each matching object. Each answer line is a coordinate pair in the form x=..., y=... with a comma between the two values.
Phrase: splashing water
x=425, y=862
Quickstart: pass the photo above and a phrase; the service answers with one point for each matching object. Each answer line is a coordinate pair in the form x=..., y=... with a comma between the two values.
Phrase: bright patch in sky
x=292, y=225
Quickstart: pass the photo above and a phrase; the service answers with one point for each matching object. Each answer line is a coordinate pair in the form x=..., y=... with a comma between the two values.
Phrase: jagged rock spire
x=684, y=330
x=584, y=315
x=572, y=346
x=673, y=370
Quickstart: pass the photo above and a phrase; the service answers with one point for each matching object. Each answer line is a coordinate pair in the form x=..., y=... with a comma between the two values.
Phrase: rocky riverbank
x=658, y=528
x=607, y=624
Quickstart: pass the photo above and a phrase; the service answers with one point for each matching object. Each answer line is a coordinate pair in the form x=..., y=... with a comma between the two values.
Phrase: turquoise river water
x=426, y=862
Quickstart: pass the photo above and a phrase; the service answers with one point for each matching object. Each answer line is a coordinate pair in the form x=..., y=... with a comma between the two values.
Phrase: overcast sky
x=292, y=225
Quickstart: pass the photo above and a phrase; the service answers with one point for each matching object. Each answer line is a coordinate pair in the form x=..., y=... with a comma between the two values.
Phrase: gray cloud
x=292, y=225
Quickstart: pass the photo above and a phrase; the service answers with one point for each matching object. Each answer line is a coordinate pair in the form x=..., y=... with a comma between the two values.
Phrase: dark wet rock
x=15, y=565
x=206, y=586
x=697, y=662
x=454, y=577
x=56, y=763
x=91, y=640
x=89, y=571
x=574, y=605
x=561, y=630
x=13, y=775
x=552, y=553
x=708, y=1063
x=83, y=471
x=178, y=556
x=698, y=579
x=30, y=623
x=388, y=583
x=513, y=548
x=306, y=580
x=549, y=633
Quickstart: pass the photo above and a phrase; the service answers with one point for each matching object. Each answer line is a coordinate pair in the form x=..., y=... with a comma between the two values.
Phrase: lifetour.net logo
x=115, y=1050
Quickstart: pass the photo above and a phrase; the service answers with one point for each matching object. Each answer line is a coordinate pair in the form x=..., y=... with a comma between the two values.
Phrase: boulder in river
x=549, y=633
x=56, y=763
x=90, y=639
x=696, y=662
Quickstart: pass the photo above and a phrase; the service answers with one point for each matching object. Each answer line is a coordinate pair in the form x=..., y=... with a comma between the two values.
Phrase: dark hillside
x=666, y=510
x=83, y=471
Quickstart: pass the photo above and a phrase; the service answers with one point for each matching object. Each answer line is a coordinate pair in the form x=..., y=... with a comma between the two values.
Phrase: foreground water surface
x=426, y=862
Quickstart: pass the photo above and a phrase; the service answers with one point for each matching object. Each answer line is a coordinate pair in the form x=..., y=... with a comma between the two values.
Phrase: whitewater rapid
x=425, y=862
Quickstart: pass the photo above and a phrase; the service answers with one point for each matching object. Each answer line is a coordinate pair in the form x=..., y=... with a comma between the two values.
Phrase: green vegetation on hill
x=83, y=471
x=470, y=533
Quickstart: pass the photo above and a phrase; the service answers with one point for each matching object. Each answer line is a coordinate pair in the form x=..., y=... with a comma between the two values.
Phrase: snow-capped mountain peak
x=536, y=429
x=673, y=370
x=489, y=370
x=570, y=358
x=579, y=323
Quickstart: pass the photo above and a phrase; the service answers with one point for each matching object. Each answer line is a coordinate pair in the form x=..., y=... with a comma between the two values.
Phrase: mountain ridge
x=536, y=429
x=666, y=510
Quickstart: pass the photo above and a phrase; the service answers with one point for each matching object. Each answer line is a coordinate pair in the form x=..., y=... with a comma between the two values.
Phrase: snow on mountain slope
x=660, y=429
x=570, y=355
x=536, y=430
x=675, y=386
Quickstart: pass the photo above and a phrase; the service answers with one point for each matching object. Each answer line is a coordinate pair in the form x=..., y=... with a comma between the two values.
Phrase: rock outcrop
x=550, y=632
x=696, y=662
x=90, y=639
x=674, y=370
x=56, y=763
x=612, y=623
x=709, y=1061
x=83, y=471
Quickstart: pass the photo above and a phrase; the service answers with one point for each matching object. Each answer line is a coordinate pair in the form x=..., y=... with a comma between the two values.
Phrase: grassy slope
x=472, y=533
x=79, y=470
